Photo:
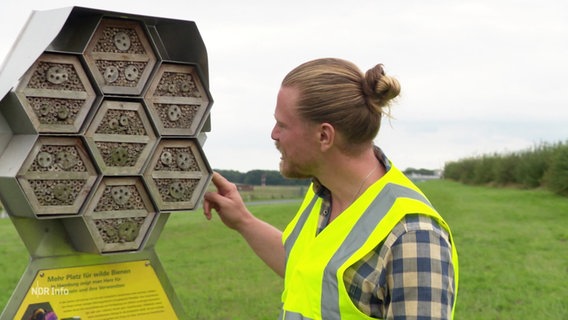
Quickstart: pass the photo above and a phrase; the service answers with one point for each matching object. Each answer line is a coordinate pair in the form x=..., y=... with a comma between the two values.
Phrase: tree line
x=274, y=178
x=544, y=165
x=259, y=177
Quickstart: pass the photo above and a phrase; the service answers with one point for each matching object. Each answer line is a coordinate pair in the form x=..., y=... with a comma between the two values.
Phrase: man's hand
x=227, y=201
x=264, y=239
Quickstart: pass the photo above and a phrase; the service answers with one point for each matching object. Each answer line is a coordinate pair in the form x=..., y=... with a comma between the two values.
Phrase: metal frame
x=69, y=32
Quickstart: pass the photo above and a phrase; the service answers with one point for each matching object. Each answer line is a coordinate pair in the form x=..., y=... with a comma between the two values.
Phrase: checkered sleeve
x=408, y=276
x=421, y=278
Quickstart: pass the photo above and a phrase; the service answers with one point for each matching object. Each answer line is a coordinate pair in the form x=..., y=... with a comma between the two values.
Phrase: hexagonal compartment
x=120, y=137
x=57, y=176
x=120, y=57
x=177, y=100
x=119, y=217
x=55, y=93
x=177, y=174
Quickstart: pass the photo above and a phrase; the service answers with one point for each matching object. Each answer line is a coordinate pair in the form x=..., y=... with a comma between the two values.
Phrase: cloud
x=476, y=76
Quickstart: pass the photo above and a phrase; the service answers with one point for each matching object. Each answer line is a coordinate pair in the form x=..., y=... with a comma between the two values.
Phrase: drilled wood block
x=177, y=101
x=120, y=137
x=118, y=217
x=56, y=94
x=57, y=176
x=177, y=174
x=120, y=57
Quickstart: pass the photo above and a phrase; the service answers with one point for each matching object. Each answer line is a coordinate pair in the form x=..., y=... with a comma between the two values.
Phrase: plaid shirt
x=408, y=276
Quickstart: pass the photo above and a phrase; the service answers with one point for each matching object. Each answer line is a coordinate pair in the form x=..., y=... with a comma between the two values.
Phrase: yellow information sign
x=128, y=290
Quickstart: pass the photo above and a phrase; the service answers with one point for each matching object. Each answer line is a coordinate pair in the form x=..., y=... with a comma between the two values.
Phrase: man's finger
x=222, y=184
x=207, y=209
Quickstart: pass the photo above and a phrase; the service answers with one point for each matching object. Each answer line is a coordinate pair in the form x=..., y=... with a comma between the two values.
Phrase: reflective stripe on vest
x=365, y=225
x=289, y=315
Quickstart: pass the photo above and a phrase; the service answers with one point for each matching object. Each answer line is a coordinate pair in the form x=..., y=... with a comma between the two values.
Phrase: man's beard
x=291, y=170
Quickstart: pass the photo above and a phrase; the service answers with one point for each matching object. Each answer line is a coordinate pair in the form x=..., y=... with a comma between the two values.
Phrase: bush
x=483, y=169
x=504, y=169
x=542, y=166
x=557, y=174
x=532, y=165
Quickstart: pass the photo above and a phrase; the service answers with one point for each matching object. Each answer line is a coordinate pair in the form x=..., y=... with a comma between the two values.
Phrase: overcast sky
x=477, y=76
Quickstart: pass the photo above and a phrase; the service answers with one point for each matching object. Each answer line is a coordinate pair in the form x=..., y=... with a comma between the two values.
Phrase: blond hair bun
x=379, y=89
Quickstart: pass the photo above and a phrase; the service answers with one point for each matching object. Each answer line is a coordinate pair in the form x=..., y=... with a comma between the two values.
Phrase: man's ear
x=326, y=136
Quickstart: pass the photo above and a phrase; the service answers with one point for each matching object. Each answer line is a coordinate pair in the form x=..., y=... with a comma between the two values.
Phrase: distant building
x=416, y=177
x=244, y=187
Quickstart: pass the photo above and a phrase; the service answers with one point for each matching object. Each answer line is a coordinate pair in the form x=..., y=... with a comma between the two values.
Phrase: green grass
x=513, y=247
x=13, y=260
x=214, y=272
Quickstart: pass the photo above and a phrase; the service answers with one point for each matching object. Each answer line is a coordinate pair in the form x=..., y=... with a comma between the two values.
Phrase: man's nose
x=274, y=134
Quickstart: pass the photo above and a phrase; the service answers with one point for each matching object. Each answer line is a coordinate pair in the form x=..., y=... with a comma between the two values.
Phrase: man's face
x=295, y=138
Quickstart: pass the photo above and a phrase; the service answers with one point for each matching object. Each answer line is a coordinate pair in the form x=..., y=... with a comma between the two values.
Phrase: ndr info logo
x=49, y=291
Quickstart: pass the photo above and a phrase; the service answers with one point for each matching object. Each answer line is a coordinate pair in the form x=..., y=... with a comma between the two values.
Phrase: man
x=365, y=243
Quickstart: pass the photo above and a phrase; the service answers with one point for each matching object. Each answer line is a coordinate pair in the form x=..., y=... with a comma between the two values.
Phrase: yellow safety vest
x=313, y=285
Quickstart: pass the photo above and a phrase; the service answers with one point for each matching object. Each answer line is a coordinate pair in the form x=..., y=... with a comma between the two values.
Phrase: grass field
x=513, y=247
